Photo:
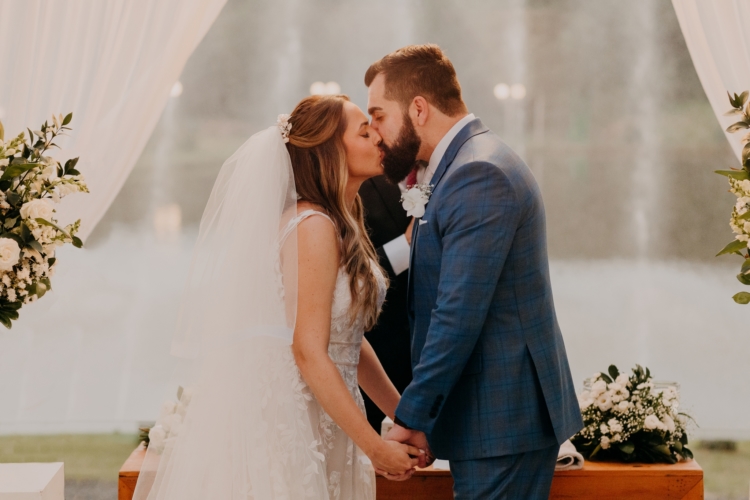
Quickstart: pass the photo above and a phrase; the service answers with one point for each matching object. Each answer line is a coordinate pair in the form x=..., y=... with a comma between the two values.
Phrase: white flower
x=604, y=429
x=598, y=388
x=622, y=406
x=168, y=408
x=604, y=442
x=157, y=438
x=10, y=253
x=668, y=423
x=616, y=438
x=652, y=422
x=614, y=425
x=24, y=272
x=37, y=209
x=622, y=379
x=414, y=201
x=585, y=400
x=11, y=295
x=619, y=394
x=4, y=162
x=170, y=422
x=6, y=280
x=604, y=402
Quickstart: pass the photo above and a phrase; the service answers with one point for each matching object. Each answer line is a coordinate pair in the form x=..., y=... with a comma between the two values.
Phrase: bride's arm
x=375, y=382
x=318, y=269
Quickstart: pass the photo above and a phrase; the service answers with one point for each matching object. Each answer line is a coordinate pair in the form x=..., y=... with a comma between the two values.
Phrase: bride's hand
x=394, y=458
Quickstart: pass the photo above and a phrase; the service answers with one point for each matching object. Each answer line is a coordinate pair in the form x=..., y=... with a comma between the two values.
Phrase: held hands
x=416, y=439
x=395, y=460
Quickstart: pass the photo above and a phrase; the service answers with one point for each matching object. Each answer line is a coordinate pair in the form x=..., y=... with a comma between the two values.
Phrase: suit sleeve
x=477, y=219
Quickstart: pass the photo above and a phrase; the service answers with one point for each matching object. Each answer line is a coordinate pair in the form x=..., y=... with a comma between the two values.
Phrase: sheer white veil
x=230, y=433
x=235, y=286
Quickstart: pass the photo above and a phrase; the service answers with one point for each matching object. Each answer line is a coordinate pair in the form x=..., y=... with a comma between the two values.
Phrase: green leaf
x=77, y=242
x=51, y=261
x=733, y=247
x=67, y=119
x=740, y=125
x=734, y=111
x=5, y=321
x=627, y=448
x=26, y=233
x=13, y=198
x=11, y=223
x=44, y=222
x=16, y=169
x=744, y=279
x=734, y=174
x=606, y=378
x=613, y=371
x=745, y=266
x=46, y=283
x=72, y=171
x=2, y=132
x=70, y=165
x=41, y=289
x=742, y=298
x=745, y=216
x=35, y=245
x=743, y=97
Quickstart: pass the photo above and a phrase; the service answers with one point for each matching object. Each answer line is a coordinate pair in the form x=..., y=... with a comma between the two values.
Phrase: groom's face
x=400, y=144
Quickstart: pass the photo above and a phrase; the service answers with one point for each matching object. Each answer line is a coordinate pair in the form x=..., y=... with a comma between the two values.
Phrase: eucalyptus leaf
x=733, y=247
x=35, y=245
x=744, y=279
x=5, y=321
x=742, y=298
x=734, y=174
x=743, y=97
x=745, y=266
x=613, y=371
x=77, y=242
x=740, y=125
x=67, y=119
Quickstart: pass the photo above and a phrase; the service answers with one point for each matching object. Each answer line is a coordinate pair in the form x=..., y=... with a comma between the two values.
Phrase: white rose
x=168, y=408
x=652, y=422
x=414, y=203
x=604, y=442
x=622, y=379
x=10, y=253
x=604, y=402
x=668, y=423
x=37, y=209
x=598, y=388
x=623, y=406
x=157, y=438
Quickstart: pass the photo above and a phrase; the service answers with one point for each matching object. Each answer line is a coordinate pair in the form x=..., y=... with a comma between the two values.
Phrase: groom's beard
x=401, y=158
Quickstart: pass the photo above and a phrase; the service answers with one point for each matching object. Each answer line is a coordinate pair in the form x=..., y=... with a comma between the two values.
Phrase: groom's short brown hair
x=420, y=70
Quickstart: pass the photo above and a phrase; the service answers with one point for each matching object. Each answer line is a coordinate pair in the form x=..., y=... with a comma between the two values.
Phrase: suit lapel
x=474, y=127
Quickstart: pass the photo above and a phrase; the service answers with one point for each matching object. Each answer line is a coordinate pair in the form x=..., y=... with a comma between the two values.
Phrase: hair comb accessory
x=284, y=126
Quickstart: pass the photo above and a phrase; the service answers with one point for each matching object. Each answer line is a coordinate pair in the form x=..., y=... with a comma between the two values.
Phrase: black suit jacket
x=386, y=220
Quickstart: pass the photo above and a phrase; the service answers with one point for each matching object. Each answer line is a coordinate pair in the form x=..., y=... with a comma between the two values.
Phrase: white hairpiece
x=284, y=126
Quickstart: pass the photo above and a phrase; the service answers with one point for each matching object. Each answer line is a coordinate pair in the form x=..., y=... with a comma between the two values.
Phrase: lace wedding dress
x=253, y=430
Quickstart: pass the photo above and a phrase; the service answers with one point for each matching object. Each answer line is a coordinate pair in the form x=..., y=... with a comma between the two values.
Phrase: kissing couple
x=284, y=283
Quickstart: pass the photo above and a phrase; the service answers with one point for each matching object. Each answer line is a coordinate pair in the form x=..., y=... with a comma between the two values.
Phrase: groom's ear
x=419, y=111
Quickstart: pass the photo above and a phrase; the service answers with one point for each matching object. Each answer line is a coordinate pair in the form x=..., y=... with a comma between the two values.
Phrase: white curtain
x=112, y=63
x=718, y=38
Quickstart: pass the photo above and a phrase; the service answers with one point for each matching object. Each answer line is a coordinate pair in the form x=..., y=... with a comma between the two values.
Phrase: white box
x=32, y=481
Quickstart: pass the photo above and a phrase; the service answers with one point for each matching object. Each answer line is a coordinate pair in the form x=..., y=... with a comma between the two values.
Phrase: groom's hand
x=414, y=438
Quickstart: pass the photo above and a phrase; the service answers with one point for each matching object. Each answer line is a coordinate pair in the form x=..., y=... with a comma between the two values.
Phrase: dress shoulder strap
x=294, y=221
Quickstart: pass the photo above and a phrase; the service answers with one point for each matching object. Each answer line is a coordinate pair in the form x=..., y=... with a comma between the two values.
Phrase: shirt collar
x=442, y=147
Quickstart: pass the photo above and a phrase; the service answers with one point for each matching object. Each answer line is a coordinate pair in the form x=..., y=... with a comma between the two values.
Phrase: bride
x=283, y=284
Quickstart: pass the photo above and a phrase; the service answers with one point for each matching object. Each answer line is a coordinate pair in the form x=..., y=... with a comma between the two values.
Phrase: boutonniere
x=414, y=200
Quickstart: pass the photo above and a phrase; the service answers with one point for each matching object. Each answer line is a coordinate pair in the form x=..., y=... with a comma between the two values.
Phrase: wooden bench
x=596, y=481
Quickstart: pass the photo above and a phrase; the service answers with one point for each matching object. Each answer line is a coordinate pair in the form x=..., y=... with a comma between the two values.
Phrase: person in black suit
x=390, y=231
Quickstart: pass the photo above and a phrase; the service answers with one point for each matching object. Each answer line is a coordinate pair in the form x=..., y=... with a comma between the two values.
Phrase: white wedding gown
x=268, y=438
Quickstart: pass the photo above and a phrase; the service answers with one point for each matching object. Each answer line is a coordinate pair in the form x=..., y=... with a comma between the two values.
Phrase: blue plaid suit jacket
x=491, y=375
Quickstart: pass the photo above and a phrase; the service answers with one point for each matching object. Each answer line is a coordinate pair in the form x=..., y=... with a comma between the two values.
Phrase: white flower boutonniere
x=415, y=199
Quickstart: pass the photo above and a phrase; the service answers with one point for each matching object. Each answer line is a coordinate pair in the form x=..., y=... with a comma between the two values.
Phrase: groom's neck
x=433, y=132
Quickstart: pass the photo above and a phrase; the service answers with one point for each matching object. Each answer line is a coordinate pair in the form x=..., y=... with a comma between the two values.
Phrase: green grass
x=726, y=473
x=86, y=456
x=99, y=457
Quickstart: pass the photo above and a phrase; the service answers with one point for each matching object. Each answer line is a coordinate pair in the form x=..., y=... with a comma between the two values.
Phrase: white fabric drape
x=717, y=36
x=112, y=63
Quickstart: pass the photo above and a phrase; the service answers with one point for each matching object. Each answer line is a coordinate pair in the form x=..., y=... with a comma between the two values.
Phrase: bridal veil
x=241, y=428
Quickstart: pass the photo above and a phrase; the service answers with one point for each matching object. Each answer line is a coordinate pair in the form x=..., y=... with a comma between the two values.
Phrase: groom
x=492, y=390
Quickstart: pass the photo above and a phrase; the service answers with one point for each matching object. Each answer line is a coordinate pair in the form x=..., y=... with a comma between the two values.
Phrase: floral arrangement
x=30, y=184
x=414, y=199
x=170, y=421
x=627, y=419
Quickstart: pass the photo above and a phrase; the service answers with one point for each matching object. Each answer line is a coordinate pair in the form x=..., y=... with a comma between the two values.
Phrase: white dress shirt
x=397, y=250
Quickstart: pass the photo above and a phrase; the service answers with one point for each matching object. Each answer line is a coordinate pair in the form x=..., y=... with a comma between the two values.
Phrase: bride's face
x=363, y=156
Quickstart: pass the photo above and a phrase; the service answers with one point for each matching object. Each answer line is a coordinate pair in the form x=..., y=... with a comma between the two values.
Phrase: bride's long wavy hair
x=316, y=147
